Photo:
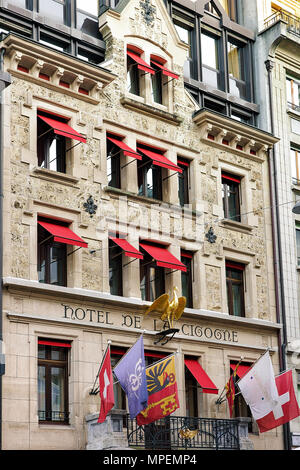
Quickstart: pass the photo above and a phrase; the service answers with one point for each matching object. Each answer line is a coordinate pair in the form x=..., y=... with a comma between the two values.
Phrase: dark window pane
x=115, y=269
x=186, y=282
x=149, y=180
x=132, y=77
x=52, y=259
x=113, y=165
x=298, y=246
x=183, y=184
x=156, y=81
x=235, y=291
x=42, y=391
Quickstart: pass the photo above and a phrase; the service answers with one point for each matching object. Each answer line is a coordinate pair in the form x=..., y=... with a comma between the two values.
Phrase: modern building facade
x=277, y=76
x=132, y=164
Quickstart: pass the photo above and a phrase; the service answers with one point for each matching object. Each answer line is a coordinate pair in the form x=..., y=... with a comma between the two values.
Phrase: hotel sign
x=126, y=320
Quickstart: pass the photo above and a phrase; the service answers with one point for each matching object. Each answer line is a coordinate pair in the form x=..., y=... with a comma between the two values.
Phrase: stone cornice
x=233, y=136
x=30, y=60
x=133, y=304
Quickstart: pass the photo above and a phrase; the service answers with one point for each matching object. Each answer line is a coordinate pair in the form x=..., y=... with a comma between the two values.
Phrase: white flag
x=258, y=387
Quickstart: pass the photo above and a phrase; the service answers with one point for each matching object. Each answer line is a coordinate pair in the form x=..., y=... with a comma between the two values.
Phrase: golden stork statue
x=168, y=310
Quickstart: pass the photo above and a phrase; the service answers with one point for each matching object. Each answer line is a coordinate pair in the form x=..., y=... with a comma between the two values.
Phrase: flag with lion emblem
x=162, y=391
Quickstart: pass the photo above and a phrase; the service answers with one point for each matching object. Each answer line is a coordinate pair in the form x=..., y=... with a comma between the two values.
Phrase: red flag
x=230, y=390
x=106, y=388
x=287, y=408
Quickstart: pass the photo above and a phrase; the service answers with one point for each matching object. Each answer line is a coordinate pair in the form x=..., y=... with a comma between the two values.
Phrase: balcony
x=177, y=433
x=292, y=21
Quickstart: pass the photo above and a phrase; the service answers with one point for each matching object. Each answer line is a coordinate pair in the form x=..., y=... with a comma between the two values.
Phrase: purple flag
x=131, y=373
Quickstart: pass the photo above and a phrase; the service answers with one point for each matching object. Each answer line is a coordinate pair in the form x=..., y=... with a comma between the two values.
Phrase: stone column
x=107, y=435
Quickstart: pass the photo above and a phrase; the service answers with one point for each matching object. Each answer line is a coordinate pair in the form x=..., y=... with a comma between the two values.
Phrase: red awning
x=54, y=343
x=127, y=150
x=128, y=249
x=165, y=71
x=142, y=65
x=241, y=370
x=63, y=234
x=201, y=376
x=163, y=257
x=160, y=160
x=62, y=128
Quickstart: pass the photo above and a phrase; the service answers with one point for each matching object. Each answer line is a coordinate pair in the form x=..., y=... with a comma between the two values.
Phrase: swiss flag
x=106, y=388
x=287, y=408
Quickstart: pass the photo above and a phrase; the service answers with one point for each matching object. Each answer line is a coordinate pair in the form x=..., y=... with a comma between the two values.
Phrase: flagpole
x=95, y=391
x=162, y=359
x=124, y=355
x=252, y=365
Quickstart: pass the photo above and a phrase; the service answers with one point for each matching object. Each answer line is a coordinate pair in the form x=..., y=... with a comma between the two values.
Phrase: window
x=191, y=395
x=230, y=6
x=53, y=381
x=187, y=278
x=293, y=93
x=298, y=242
x=27, y=4
x=55, y=10
x=185, y=26
x=231, y=196
x=298, y=385
x=87, y=17
x=52, y=259
x=183, y=181
x=136, y=69
x=295, y=126
x=235, y=288
x=113, y=165
x=149, y=179
x=240, y=407
x=119, y=394
x=237, y=54
x=51, y=147
x=295, y=165
x=210, y=60
x=115, y=269
x=152, y=279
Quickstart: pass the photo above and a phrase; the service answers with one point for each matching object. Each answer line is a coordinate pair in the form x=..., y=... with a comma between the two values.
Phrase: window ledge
x=239, y=226
x=148, y=200
x=150, y=110
x=55, y=175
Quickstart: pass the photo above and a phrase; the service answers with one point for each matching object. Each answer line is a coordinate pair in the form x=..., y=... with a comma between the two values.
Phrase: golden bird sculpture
x=168, y=310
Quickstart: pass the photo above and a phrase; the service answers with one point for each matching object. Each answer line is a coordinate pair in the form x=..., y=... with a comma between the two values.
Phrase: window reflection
x=52, y=9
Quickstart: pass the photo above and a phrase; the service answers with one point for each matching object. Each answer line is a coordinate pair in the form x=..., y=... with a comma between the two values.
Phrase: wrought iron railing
x=293, y=22
x=184, y=433
x=53, y=416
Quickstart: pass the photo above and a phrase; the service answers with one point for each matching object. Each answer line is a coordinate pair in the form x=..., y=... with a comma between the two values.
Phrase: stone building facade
x=61, y=308
x=277, y=76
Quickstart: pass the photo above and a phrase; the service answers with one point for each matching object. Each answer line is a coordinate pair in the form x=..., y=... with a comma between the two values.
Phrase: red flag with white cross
x=287, y=407
x=106, y=388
